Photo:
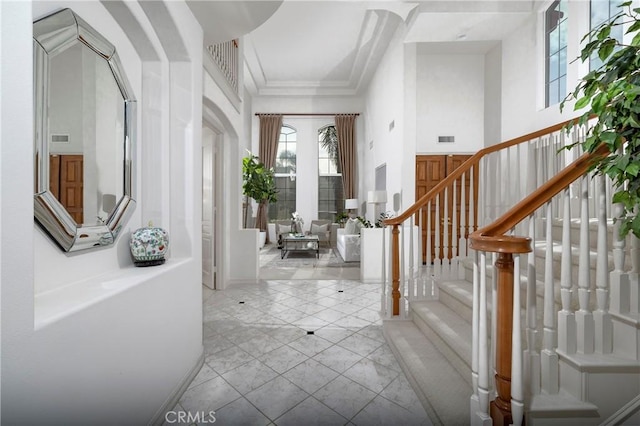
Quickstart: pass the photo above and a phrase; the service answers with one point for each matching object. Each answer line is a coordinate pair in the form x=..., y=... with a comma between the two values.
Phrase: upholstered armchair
x=283, y=227
x=321, y=228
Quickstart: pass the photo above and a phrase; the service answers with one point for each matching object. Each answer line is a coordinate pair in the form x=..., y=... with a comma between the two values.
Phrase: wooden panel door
x=431, y=170
x=70, y=184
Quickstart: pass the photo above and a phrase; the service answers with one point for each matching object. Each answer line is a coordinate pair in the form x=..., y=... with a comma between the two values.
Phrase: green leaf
x=620, y=197
x=582, y=102
x=634, y=27
x=633, y=169
x=636, y=40
x=606, y=48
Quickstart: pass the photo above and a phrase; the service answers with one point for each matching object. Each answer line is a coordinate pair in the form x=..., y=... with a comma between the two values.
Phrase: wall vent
x=446, y=139
x=60, y=138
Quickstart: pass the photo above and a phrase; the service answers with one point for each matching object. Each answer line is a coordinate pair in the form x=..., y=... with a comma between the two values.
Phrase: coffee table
x=300, y=242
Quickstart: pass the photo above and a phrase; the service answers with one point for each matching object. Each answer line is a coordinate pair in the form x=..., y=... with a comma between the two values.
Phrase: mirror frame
x=51, y=35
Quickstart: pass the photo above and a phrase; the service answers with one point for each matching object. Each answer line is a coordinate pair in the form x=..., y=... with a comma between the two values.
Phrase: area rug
x=328, y=258
x=305, y=265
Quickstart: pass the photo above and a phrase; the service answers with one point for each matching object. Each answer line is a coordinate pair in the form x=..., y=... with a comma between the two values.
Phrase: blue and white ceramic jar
x=149, y=246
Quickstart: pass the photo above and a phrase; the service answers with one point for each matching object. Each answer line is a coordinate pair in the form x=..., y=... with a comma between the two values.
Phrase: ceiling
x=298, y=47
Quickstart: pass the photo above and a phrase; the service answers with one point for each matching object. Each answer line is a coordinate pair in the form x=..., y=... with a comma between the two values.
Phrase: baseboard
x=174, y=397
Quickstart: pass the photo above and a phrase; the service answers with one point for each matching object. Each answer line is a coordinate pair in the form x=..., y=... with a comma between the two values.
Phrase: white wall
x=88, y=337
x=523, y=109
x=451, y=102
x=385, y=103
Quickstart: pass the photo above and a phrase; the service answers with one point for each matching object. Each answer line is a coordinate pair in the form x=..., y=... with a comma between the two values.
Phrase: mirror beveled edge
x=51, y=34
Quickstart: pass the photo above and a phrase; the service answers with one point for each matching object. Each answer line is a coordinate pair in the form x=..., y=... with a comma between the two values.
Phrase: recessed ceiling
x=333, y=47
x=319, y=48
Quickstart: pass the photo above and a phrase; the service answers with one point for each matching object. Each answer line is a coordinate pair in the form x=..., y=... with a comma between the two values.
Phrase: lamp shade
x=351, y=203
x=376, y=197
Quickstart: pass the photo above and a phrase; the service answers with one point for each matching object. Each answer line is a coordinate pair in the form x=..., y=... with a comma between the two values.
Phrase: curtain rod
x=305, y=114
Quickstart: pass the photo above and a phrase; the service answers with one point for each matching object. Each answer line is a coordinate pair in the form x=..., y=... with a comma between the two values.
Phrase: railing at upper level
x=225, y=55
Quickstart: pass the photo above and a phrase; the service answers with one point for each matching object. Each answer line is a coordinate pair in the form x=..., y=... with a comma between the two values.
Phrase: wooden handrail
x=466, y=166
x=491, y=238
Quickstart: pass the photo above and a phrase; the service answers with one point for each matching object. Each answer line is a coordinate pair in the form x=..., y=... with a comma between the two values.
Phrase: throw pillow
x=284, y=229
x=351, y=227
x=319, y=229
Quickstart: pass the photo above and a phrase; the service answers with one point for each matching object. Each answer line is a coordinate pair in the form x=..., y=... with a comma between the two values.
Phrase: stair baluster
x=549, y=357
x=566, y=317
x=517, y=387
x=602, y=318
x=584, y=318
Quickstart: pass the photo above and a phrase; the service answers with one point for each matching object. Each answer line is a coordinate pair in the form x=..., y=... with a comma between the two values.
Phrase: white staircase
x=576, y=328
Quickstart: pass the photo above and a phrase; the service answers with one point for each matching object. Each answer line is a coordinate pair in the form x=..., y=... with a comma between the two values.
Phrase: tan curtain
x=270, y=125
x=346, y=132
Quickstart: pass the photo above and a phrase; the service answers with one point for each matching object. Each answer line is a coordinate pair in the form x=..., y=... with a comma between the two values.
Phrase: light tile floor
x=299, y=352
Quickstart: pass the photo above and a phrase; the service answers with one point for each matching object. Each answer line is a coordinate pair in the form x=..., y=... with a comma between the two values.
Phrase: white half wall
x=88, y=337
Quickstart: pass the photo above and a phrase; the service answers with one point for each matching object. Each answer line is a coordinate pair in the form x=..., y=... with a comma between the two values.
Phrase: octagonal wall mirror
x=85, y=115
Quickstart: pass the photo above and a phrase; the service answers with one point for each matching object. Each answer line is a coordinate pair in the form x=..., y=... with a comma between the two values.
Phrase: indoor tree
x=610, y=93
x=258, y=184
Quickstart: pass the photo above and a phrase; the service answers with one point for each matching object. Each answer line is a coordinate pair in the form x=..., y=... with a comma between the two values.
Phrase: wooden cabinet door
x=66, y=183
x=430, y=171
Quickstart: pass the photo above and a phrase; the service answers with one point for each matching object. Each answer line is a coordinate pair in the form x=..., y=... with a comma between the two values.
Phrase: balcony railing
x=225, y=55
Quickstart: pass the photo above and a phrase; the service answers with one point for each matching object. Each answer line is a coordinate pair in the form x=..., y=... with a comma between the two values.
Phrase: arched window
x=285, y=175
x=330, y=193
x=555, y=30
x=601, y=12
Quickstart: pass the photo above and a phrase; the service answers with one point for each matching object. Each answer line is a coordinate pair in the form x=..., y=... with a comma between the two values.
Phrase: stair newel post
x=602, y=318
x=494, y=316
x=395, y=269
x=584, y=317
x=500, y=407
x=566, y=317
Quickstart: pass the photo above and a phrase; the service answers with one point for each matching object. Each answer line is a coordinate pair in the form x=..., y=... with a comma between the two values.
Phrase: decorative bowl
x=148, y=246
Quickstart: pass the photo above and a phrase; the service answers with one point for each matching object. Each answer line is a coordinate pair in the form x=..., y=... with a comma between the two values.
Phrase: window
x=601, y=12
x=556, y=52
x=330, y=194
x=285, y=175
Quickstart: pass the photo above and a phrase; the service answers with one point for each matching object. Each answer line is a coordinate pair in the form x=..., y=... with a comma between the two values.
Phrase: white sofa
x=348, y=246
x=371, y=260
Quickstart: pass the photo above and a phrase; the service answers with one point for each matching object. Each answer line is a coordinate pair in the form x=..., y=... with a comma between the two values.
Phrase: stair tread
x=558, y=403
x=442, y=390
x=460, y=289
x=450, y=327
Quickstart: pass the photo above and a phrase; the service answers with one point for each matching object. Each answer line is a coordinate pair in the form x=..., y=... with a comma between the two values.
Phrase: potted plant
x=611, y=93
x=258, y=184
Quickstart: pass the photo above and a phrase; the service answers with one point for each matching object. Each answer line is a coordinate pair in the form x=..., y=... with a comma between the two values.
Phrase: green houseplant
x=611, y=94
x=258, y=184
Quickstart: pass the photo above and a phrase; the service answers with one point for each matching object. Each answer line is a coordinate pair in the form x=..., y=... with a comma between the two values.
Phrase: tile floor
x=264, y=367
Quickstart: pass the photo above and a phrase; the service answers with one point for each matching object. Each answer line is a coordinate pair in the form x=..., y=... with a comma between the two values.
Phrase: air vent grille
x=60, y=138
x=446, y=139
